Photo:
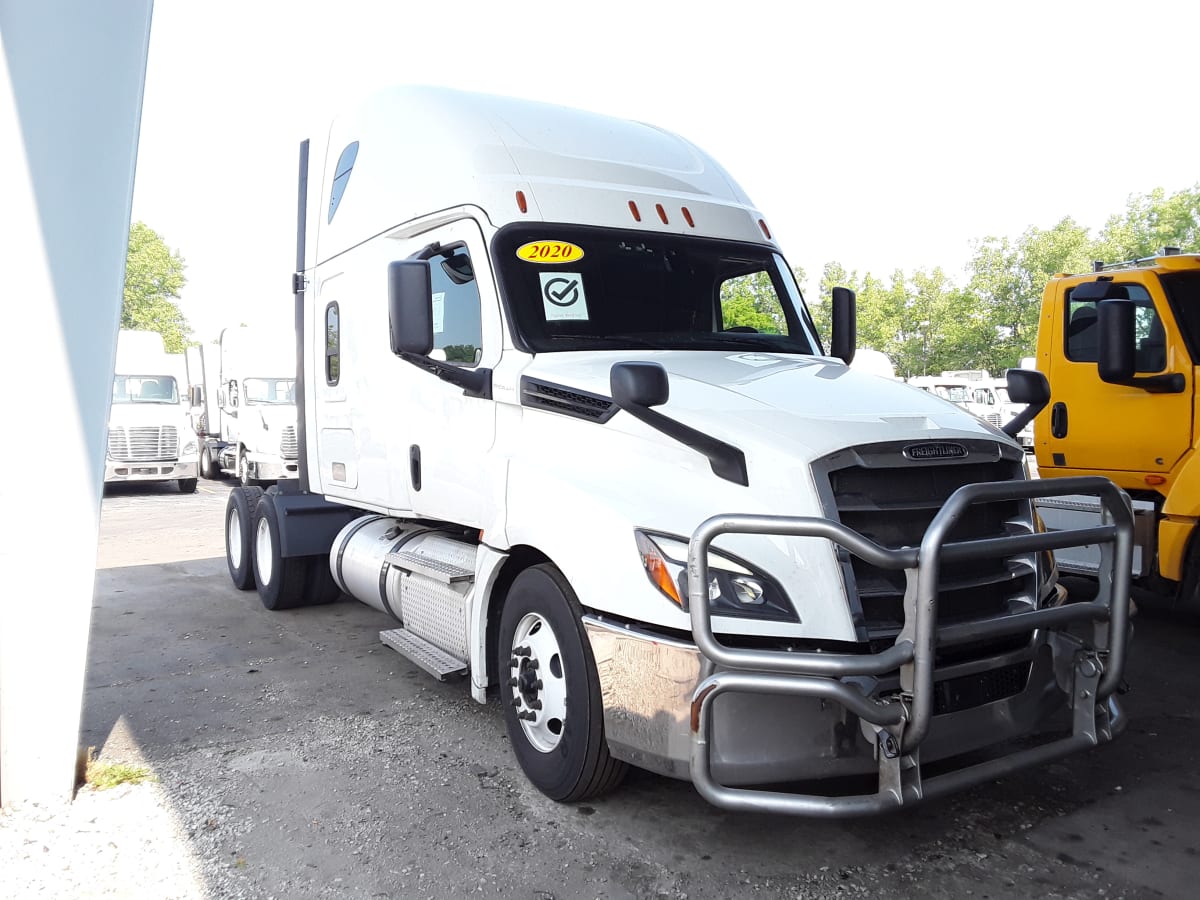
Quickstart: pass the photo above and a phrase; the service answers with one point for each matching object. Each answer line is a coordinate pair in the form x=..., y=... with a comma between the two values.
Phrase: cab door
x=1124, y=431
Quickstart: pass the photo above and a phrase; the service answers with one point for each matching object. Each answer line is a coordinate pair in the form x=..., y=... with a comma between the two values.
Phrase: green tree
x=1149, y=223
x=153, y=279
x=1007, y=279
x=751, y=301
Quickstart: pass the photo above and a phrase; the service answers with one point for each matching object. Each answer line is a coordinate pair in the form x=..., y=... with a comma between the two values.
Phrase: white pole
x=70, y=106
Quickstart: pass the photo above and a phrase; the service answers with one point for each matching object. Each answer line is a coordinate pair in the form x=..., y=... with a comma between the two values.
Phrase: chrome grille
x=143, y=442
x=891, y=500
x=288, y=447
x=993, y=419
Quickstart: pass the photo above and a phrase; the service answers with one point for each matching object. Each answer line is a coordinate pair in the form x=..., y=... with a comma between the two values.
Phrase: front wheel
x=243, y=469
x=550, y=690
x=208, y=466
x=187, y=485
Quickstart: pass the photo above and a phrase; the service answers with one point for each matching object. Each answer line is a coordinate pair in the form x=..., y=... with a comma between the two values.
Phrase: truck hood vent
x=566, y=400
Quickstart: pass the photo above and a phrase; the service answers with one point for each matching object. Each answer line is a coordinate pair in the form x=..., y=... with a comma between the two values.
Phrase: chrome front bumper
x=149, y=470
x=726, y=718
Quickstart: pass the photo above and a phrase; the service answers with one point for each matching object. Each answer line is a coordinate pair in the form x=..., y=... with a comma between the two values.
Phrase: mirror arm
x=1170, y=383
x=474, y=382
x=1023, y=418
x=726, y=460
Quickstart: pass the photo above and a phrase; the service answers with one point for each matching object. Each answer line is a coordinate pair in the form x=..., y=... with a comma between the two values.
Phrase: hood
x=276, y=416
x=806, y=406
x=132, y=415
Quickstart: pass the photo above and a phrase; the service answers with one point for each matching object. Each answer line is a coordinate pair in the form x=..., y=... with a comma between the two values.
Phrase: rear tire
x=239, y=522
x=281, y=580
x=1187, y=599
x=187, y=485
x=208, y=466
x=319, y=586
x=542, y=644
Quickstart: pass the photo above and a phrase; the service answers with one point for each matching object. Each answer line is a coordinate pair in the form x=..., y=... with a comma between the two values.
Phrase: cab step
x=430, y=566
x=430, y=657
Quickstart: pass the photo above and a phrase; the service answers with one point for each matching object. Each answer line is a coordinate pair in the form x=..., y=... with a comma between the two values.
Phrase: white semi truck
x=534, y=436
x=150, y=436
x=243, y=396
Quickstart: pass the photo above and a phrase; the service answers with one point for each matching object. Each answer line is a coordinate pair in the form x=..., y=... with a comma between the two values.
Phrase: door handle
x=1058, y=420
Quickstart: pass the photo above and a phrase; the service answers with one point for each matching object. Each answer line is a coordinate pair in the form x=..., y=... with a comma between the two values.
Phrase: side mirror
x=639, y=384
x=1118, y=352
x=410, y=307
x=845, y=326
x=1026, y=386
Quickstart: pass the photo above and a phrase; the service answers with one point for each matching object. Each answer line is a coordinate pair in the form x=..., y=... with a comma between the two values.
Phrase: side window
x=750, y=303
x=1083, y=332
x=457, y=329
x=341, y=177
x=333, y=345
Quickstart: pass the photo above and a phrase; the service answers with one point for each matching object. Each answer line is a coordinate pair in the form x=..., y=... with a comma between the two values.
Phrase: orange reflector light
x=657, y=569
x=637, y=216
x=688, y=217
x=521, y=204
x=662, y=213
x=1155, y=479
x=765, y=230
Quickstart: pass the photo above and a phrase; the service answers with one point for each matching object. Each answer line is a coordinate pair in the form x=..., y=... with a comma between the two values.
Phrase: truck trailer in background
x=150, y=435
x=243, y=397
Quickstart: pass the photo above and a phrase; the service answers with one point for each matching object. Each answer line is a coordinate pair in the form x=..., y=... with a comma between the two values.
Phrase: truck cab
x=150, y=435
x=566, y=420
x=244, y=399
x=1120, y=346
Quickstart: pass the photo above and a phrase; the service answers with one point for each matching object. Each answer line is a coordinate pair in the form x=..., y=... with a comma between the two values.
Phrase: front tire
x=243, y=469
x=187, y=485
x=281, y=580
x=239, y=521
x=550, y=690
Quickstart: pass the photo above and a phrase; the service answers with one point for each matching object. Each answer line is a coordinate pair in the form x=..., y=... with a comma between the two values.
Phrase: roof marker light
x=637, y=216
x=662, y=213
x=687, y=216
x=765, y=230
x=521, y=204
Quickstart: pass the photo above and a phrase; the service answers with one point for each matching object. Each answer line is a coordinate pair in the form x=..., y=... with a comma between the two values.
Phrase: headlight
x=190, y=447
x=734, y=589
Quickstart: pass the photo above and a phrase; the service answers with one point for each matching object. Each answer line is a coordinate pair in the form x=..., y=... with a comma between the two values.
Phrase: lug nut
x=521, y=651
x=512, y=682
x=527, y=716
x=535, y=704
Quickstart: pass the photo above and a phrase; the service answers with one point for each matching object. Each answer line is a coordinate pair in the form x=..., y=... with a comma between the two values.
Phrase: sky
x=880, y=135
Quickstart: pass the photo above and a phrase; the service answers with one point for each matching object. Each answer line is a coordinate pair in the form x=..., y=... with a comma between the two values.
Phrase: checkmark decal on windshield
x=563, y=296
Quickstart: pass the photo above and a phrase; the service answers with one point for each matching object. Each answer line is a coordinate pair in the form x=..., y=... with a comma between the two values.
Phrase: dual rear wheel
x=253, y=553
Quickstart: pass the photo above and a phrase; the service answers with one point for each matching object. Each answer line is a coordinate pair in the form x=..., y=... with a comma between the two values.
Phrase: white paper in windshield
x=562, y=296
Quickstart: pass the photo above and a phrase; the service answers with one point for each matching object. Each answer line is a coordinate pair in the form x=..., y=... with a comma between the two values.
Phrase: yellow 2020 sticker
x=549, y=252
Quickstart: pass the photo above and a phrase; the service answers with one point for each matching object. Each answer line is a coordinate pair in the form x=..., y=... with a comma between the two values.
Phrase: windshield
x=1183, y=293
x=572, y=287
x=269, y=391
x=144, y=389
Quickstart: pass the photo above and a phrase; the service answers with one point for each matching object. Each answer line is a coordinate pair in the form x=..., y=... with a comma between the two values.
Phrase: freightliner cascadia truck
x=540, y=434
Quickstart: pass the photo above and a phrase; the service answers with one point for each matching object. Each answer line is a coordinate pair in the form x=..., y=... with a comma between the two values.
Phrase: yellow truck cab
x=1120, y=347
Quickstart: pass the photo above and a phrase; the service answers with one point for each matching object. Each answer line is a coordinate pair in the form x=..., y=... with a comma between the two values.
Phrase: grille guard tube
x=908, y=719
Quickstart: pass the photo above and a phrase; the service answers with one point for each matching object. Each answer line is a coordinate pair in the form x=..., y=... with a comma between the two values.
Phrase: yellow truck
x=1121, y=349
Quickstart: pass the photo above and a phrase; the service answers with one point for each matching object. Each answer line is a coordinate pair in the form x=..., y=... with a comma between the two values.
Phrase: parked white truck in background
x=713, y=552
x=150, y=436
x=243, y=395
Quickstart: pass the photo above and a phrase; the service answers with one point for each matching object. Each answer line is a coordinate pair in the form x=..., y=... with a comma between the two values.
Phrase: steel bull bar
x=899, y=723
